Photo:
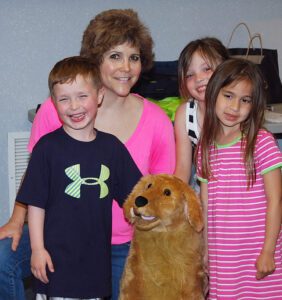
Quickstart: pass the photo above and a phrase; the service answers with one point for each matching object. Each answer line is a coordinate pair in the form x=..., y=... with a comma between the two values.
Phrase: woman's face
x=120, y=69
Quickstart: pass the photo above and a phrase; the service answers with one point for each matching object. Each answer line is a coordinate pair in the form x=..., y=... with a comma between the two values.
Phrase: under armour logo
x=73, y=189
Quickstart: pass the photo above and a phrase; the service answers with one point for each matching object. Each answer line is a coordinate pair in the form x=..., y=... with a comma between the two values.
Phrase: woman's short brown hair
x=114, y=27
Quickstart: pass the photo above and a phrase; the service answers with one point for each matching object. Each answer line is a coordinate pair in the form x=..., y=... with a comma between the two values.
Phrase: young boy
x=72, y=177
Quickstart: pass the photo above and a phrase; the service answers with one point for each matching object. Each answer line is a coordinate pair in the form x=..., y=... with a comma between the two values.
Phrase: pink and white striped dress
x=236, y=223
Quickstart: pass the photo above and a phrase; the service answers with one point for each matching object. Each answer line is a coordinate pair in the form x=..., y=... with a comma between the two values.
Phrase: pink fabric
x=236, y=223
x=45, y=121
x=151, y=146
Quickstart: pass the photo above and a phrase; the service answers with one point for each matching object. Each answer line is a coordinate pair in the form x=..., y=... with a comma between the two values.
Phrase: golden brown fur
x=165, y=258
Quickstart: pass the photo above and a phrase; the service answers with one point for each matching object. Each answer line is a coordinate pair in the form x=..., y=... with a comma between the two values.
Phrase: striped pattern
x=236, y=224
x=191, y=121
x=73, y=189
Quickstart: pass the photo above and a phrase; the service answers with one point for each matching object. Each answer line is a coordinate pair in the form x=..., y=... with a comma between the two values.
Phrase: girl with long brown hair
x=239, y=166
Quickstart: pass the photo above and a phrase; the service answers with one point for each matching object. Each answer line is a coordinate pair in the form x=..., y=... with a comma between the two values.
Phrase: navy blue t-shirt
x=76, y=182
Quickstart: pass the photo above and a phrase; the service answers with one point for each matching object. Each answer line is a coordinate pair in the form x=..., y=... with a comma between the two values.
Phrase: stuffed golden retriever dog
x=165, y=261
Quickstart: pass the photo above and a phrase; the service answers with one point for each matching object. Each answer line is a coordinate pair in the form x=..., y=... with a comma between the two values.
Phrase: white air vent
x=18, y=157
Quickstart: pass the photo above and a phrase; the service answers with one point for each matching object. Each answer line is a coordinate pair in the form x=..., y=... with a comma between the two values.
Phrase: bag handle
x=255, y=36
x=233, y=31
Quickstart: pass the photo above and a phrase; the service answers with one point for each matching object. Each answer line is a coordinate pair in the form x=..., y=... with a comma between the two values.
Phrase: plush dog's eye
x=167, y=192
x=149, y=185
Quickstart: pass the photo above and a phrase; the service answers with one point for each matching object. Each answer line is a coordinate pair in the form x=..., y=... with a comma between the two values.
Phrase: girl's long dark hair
x=230, y=71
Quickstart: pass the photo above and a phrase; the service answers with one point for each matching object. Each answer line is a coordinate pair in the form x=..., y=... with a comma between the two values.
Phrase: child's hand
x=265, y=265
x=39, y=259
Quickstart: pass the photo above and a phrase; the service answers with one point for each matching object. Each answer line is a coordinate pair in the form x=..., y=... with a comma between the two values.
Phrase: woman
x=120, y=43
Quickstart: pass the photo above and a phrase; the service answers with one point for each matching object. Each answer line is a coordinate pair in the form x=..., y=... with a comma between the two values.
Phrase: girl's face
x=120, y=69
x=77, y=103
x=233, y=105
x=197, y=77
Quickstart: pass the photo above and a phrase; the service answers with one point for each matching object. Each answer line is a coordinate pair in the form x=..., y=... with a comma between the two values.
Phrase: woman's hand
x=12, y=230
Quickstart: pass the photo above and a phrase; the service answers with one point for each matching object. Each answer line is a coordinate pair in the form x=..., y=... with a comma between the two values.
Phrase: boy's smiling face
x=77, y=103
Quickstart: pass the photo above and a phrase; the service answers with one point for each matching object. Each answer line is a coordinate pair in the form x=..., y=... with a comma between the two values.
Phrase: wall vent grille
x=18, y=157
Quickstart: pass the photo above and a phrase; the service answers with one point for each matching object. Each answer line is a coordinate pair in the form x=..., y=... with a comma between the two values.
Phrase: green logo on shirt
x=73, y=189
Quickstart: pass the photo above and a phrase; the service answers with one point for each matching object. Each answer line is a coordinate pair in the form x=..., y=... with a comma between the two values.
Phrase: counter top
x=274, y=127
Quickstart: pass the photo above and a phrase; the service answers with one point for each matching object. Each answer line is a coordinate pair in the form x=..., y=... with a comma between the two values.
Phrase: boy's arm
x=272, y=183
x=39, y=257
x=13, y=228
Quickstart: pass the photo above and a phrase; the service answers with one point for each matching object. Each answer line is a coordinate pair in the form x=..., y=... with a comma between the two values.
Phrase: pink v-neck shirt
x=152, y=147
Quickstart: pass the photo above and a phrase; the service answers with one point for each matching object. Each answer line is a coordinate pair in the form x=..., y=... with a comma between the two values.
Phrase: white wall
x=34, y=34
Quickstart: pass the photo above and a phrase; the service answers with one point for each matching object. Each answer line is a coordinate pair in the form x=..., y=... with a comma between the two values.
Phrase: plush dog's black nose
x=140, y=201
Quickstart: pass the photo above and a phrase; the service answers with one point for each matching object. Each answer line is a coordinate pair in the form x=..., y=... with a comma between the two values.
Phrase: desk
x=275, y=128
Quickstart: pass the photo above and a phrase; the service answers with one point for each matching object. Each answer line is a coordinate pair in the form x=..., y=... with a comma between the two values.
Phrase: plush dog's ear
x=128, y=207
x=194, y=209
